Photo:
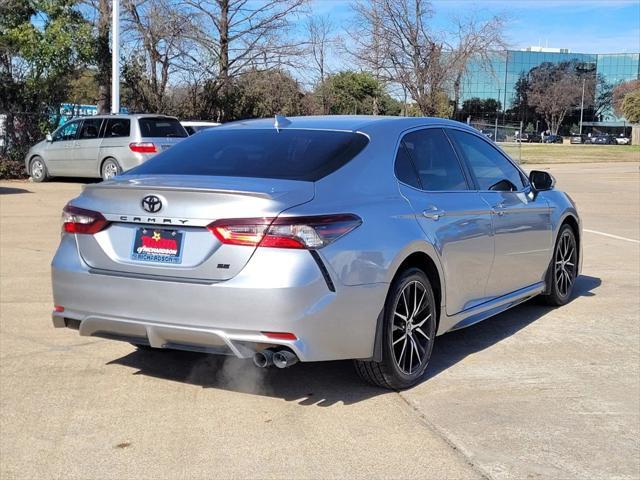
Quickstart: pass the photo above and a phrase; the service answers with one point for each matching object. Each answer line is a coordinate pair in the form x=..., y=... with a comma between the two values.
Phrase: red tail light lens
x=143, y=147
x=285, y=232
x=80, y=220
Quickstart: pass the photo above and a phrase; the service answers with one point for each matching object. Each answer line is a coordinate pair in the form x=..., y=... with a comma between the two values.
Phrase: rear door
x=60, y=153
x=454, y=218
x=87, y=149
x=521, y=219
x=163, y=132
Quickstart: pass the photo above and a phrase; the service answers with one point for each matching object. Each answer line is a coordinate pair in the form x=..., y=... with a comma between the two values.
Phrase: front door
x=521, y=219
x=60, y=152
x=454, y=218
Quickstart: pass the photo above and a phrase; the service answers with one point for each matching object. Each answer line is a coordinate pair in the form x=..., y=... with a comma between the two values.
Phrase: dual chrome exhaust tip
x=279, y=358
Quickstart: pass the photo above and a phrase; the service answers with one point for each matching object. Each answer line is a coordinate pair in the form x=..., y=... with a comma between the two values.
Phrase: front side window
x=490, y=168
x=90, y=128
x=67, y=132
x=117, y=127
x=435, y=162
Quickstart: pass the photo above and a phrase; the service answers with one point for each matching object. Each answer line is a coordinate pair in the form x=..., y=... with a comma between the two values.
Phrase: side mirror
x=541, y=180
x=48, y=138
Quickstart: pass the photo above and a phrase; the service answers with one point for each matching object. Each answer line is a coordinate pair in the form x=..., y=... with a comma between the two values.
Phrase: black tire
x=147, y=348
x=563, y=268
x=109, y=166
x=38, y=170
x=412, y=294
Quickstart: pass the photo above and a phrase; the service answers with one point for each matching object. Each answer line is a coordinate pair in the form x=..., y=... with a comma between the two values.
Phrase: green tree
x=43, y=45
x=477, y=107
x=260, y=94
x=358, y=93
x=631, y=106
x=620, y=91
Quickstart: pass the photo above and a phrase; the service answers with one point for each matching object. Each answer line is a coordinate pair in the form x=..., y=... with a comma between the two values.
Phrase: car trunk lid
x=188, y=205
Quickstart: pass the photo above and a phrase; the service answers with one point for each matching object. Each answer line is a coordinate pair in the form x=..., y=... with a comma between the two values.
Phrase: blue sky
x=583, y=26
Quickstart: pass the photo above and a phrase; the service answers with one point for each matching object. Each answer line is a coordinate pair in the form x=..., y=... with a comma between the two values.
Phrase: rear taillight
x=143, y=147
x=285, y=232
x=80, y=220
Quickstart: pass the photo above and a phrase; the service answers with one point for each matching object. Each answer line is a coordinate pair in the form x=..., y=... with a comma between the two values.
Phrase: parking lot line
x=633, y=240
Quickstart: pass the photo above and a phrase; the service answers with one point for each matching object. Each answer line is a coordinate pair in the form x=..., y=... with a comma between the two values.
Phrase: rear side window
x=436, y=163
x=405, y=170
x=90, y=128
x=307, y=155
x=161, y=127
x=487, y=164
x=117, y=127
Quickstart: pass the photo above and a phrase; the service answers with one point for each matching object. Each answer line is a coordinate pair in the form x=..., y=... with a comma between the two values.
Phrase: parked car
x=491, y=133
x=622, y=140
x=553, y=139
x=530, y=137
x=195, y=126
x=313, y=239
x=102, y=146
x=602, y=139
x=578, y=138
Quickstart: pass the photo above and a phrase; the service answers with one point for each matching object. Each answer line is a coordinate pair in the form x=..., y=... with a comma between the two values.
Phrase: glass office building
x=498, y=80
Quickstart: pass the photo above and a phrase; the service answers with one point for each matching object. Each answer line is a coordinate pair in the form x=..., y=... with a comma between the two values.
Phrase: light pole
x=115, y=58
x=582, y=104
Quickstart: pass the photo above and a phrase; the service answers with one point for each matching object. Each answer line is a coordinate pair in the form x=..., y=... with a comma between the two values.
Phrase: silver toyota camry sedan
x=315, y=238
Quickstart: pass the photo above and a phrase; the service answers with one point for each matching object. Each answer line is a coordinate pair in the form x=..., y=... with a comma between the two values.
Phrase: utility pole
x=115, y=58
x=582, y=104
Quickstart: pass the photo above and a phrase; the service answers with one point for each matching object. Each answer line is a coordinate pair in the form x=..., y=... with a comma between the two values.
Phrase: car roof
x=128, y=115
x=343, y=122
x=198, y=123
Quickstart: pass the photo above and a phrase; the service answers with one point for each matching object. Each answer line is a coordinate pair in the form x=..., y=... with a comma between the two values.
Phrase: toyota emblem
x=151, y=204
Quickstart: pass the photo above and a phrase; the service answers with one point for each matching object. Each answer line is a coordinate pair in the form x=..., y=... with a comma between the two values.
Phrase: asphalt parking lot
x=532, y=393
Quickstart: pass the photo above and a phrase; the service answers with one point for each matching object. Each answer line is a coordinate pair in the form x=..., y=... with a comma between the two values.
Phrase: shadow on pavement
x=79, y=180
x=453, y=347
x=327, y=383
x=13, y=191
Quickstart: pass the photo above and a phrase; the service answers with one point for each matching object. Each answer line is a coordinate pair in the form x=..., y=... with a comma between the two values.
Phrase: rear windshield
x=161, y=127
x=307, y=155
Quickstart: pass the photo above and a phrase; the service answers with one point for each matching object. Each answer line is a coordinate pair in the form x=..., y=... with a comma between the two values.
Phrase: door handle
x=433, y=212
x=498, y=209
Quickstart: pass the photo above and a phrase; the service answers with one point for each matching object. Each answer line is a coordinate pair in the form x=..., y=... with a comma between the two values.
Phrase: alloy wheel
x=110, y=170
x=37, y=169
x=565, y=264
x=410, y=341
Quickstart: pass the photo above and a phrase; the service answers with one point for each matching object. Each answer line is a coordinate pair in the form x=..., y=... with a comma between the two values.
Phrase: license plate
x=157, y=245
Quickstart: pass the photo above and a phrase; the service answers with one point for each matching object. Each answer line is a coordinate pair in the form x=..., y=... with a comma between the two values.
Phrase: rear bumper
x=224, y=317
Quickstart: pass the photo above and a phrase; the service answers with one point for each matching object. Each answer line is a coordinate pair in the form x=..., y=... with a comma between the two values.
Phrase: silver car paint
x=284, y=290
x=84, y=157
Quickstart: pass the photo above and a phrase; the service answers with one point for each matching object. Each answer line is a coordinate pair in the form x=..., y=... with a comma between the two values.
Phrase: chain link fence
x=508, y=137
x=19, y=131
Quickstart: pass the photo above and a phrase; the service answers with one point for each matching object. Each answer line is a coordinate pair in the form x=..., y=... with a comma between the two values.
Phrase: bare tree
x=556, y=89
x=620, y=91
x=474, y=41
x=235, y=36
x=159, y=31
x=321, y=40
x=394, y=38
